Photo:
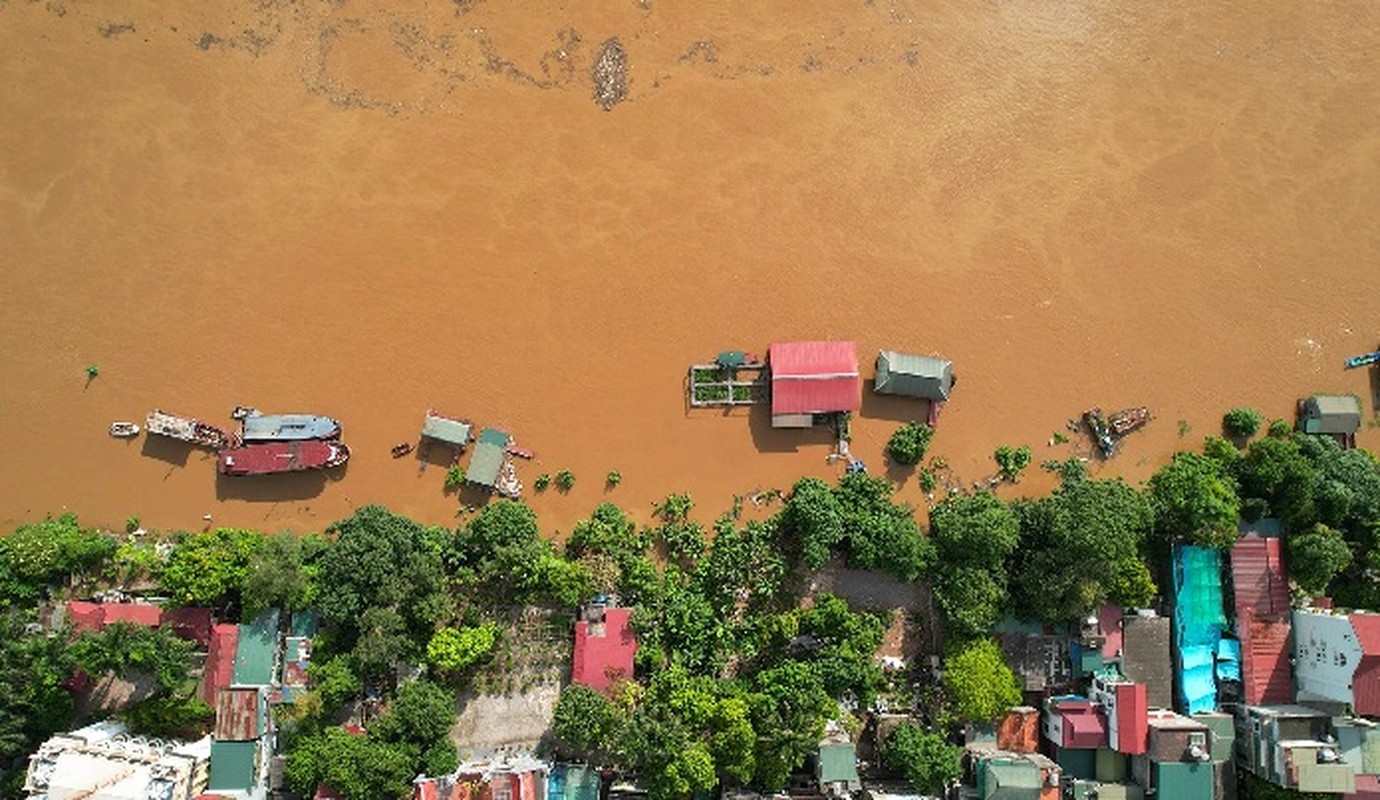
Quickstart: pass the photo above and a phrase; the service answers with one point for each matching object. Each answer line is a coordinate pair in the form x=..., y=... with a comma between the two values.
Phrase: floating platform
x=187, y=429
x=256, y=427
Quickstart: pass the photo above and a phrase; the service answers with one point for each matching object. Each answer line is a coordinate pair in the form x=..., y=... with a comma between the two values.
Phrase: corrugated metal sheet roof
x=1183, y=780
x=445, y=429
x=232, y=766
x=604, y=650
x=254, y=652
x=1365, y=682
x=1257, y=571
x=1109, y=621
x=487, y=460
x=1145, y=657
x=190, y=623
x=838, y=763
x=1132, y=725
x=238, y=715
x=220, y=660
x=1332, y=414
x=1265, y=675
x=1019, y=730
x=143, y=614
x=86, y=617
x=913, y=375
x=814, y=377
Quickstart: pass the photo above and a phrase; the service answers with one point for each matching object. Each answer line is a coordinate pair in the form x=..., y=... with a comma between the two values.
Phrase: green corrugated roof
x=254, y=653
x=838, y=763
x=445, y=429
x=488, y=457
x=999, y=779
x=572, y=782
x=232, y=766
x=303, y=624
x=1326, y=413
x=917, y=376
x=1184, y=780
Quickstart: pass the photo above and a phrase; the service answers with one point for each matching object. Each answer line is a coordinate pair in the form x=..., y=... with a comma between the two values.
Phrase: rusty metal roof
x=238, y=715
x=1257, y=570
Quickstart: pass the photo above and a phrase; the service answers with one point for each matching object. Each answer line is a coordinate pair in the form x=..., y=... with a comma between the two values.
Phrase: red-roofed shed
x=220, y=660
x=86, y=617
x=814, y=378
x=1257, y=573
x=1131, y=725
x=1265, y=676
x=604, y=648
x=143, y=614
x=1365, y=682
x=1075, y=724
x=190, y=623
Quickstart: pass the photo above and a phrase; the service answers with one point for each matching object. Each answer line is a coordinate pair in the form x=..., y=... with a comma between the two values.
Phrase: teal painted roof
x=445, y=429
x=571, y=782
x=254, y=653
x=488, y=457
x=1184, y=780
x=232, y=766
x=838, y=763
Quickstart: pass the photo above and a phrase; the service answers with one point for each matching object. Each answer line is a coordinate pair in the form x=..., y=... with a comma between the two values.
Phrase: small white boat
x=124, y=430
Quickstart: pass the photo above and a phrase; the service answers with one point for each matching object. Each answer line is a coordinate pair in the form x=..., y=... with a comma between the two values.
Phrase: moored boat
x=271, y=458
x=1363, y=360
x=256, y=427
x=187, y=429
x=1098, y=425
x=124, y=430
x=1124, y=421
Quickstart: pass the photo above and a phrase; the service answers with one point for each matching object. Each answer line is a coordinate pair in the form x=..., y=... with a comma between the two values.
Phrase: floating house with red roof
x=604, y=646
x=809, y=378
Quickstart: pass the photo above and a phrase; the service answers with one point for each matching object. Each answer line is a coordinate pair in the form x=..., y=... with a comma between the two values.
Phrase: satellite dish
x=1197, y=753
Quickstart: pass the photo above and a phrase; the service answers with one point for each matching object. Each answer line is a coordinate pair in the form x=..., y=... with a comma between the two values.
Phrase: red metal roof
x=814, y=377
x=143, y=614
x=237, y=715
x=275, y=457
x=1257, y=570
x=220, y=660
x=1367, y=788
x=1084, y=727
x=190, y=623
x=1365, y=682
x=86, y=617
x=1109, y=620
x=604, y=651
x=1265, y=675
x=1132, y=718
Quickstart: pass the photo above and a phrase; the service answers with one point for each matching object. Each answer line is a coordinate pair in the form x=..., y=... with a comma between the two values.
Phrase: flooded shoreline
x=366, y=213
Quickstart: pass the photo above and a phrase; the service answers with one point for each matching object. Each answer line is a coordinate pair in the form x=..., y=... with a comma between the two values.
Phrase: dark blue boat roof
x=288, y=427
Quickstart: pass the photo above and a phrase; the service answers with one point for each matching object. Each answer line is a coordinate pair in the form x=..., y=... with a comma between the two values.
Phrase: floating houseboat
x=274, y=457
x=257, y=427
x=187, y=429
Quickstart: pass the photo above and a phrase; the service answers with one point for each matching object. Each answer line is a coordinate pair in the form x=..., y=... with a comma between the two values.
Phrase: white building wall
x=1326, y=654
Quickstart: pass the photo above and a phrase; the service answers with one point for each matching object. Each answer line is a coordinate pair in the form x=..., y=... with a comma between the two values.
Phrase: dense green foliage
x=974, y=535
x=209, y=568
x=1242, y=423
x=1011, y=462
x=47, y=552
x=1079, y=546
x=454, y=650
x=925, y=759
x=908, y=444
x=1195, y=500
x=586, y=724
x=283, y=573
x=978, y=680
x=1315, y=556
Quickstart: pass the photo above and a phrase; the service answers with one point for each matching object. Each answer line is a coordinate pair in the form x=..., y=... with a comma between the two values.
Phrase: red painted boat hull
x=275, y=457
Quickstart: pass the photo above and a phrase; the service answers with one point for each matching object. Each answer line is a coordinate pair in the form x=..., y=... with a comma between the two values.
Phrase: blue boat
x=287, y=427
x=1363, y=361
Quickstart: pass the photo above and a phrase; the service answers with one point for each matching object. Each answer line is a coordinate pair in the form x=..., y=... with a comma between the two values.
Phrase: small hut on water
x=913, y=376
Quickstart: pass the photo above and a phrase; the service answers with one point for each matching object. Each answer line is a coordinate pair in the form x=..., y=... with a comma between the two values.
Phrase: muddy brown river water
x=367, y=209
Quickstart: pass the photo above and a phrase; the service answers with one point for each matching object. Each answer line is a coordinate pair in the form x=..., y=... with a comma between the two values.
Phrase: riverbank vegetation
x=741, y=664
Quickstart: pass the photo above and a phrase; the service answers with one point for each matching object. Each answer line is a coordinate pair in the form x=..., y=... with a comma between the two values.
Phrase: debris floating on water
x=610, y=74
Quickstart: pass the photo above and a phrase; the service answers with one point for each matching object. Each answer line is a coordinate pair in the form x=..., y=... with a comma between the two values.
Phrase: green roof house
x=1325, y=413
x=233, y=766
x=1008, y=779
x=836, y=768
x=487, y=460
x=913, y=376
x=447, y=430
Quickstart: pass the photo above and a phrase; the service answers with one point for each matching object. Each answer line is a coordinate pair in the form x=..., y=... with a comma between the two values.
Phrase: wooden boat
x=1101, y=434
x=400, y=450
x=124, y=430
x=187, y=429
x=274, y=457
x=520, y=452
x=1124, y=421
x=1363, y=360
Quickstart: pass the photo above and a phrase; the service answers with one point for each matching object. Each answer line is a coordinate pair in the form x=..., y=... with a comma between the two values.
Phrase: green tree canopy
x=586, y=724
x=501, y=554
x=383, y=561
x=1242, y=423
x=970, y=599
x=32, y=669
x=978, y=680
x=45, y=552
x=813, y=519
x=282, y=573
x=908, y=444
x=926, y=760
x=209, y=568
x=454, y=650
x=1315, y=556
x=420, y=714
x=1195, y=500
x=976, y=530
x=358, y=767
x=879, y=533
